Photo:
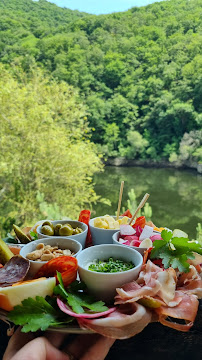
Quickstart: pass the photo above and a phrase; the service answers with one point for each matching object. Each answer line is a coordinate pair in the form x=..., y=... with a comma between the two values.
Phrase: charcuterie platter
x=144, y=274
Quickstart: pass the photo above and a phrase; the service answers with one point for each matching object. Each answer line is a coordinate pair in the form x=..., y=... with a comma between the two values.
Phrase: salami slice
x=15, y=270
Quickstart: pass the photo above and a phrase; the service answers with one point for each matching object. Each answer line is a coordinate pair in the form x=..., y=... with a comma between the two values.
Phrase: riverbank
x=120, y=161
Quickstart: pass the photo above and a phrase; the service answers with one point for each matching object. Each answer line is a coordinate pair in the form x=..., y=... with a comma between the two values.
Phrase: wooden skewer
x=120, y=198
x=140, y=206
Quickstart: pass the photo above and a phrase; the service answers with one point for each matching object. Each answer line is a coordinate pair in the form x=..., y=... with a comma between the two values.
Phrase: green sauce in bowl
x=110, y=266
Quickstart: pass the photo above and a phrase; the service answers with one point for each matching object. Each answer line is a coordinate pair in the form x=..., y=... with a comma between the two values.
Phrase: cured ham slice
x=136, y=292
x=152, y=282
x=127, y=321
x=190, y=282
x=186, y=310
x=14, y=271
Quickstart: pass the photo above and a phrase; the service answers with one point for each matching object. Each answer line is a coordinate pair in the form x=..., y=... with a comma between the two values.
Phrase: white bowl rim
x=115, y=273
x=39, y=241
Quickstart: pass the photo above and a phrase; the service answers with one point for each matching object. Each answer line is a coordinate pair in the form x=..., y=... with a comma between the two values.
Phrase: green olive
x=77, y=231
x=57, y=228
x=49, y=223
x=47, y=230
x=66, y=230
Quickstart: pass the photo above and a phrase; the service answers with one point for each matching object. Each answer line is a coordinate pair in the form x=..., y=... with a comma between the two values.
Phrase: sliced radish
x=122, y=241
x=147, y=232
x=131, y=237
x=63, y=307
x=155, y=237
x=126, y=230
x=146, y=243
x=135, y=243
x=138, y=230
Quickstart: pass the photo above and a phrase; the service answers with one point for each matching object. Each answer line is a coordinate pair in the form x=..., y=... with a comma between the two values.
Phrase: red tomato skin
x=127, y=213
x=84, y=216
x=66, y=265
x=140, y=221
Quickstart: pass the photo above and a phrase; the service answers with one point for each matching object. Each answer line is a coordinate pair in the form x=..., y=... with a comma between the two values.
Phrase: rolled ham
x=127, y=321
x=185, y=310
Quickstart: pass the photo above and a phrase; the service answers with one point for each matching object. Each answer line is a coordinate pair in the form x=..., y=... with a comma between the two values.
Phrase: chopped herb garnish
x=110, y=266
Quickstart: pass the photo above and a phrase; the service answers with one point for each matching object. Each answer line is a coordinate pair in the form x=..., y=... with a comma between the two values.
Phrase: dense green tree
x=46, y=158
x=139, y=70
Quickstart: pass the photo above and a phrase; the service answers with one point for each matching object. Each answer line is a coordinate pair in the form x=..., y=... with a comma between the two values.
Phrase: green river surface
x=175, y=195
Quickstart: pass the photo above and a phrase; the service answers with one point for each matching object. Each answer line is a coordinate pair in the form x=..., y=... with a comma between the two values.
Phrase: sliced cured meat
x=14, y=271
x=167, y=280
x=127, y=321
x=185, y=310
x=152, y=282
x=190, y=282
x=185, y=278
x=193, y=287
x=136, y=293
x=149, y=271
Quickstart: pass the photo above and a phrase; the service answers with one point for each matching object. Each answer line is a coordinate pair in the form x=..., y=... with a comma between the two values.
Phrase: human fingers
x=89, y=347
x=39, y=349
x=55, y=338
x=16, y=342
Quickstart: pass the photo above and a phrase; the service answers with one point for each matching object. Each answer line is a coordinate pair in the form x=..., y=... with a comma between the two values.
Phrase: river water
x=175, y=195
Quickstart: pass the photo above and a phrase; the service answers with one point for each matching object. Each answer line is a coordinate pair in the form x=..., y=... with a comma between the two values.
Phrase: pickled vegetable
x=5, y=253
x=24, y=239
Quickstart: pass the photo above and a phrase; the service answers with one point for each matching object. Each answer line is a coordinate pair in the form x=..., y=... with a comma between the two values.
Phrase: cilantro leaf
x=174, y=251
x=35, y=314
x=180, y=263
x=185, y=244
x=76, y=304
x=80, y=301
x=166, y=235
x=33, y=235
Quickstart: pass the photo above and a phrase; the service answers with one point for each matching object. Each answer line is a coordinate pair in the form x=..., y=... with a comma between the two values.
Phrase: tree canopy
x=46, y=158
x=139, y=73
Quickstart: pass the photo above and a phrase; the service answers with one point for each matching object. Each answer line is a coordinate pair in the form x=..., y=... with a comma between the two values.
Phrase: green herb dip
x=110, y=266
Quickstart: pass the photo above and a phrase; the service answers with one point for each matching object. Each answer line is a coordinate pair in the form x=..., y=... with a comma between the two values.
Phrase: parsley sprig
x=77, y=298
x=37, y=314
x=175, y=251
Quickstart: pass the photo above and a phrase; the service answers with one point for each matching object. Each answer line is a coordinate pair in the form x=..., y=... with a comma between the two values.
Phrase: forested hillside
x=139, y=72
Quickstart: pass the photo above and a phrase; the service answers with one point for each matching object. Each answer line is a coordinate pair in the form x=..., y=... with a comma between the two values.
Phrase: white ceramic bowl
x=103, y=285
x=79, y=237
x=62, y=243
x=115, y=240
x=101, y=236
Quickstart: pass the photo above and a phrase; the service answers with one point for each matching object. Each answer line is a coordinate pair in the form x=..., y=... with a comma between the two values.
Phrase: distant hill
x=138, y=72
